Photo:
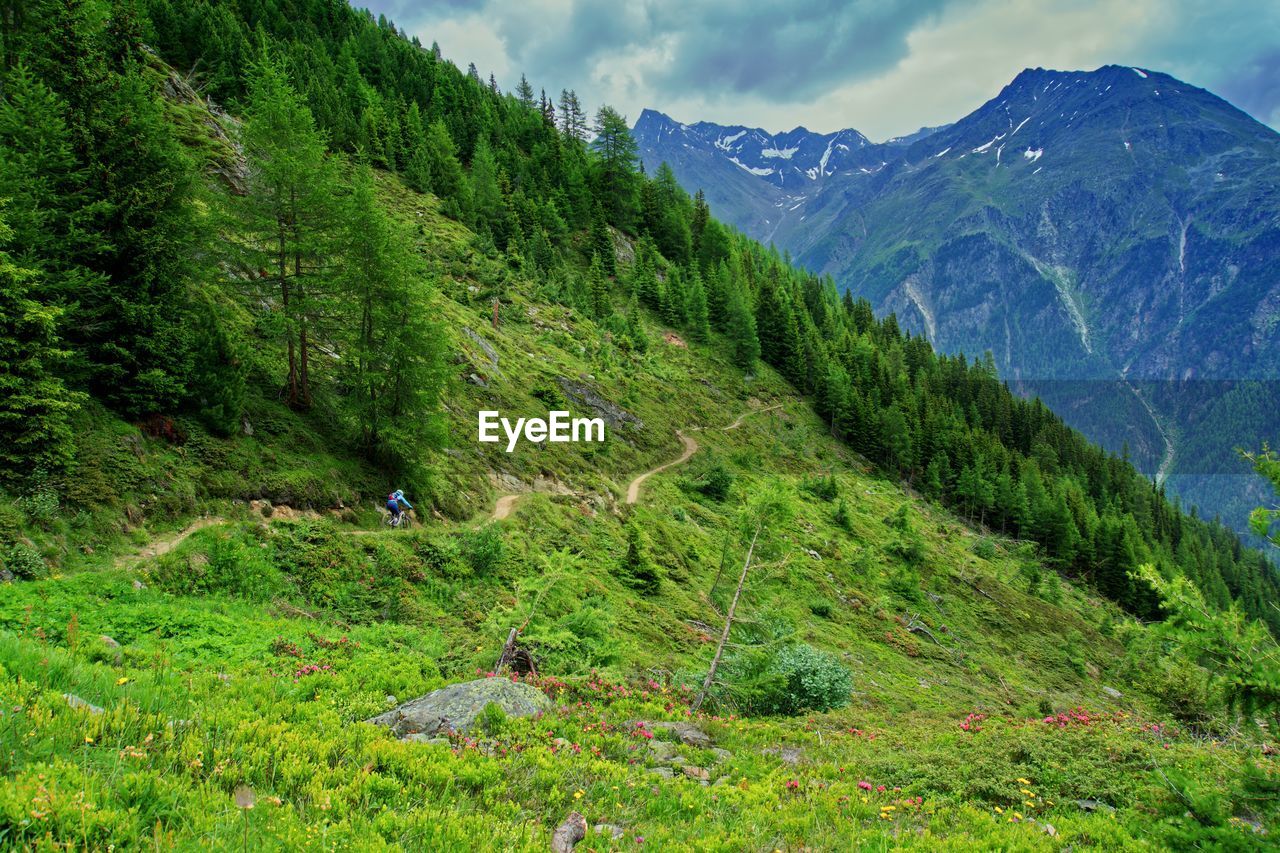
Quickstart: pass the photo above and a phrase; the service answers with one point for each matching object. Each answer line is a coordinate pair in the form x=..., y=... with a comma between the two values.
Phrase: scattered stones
x=76, y=702
x=1094, y=805
x=812, y=553
x=702, y=774
x=426, y=739
x=137, y=584
x=569, y=833
x=456, y=707
x=664, y=772
x=476, y=380
x=662, y=750
x=6, y=576
x=1112, y=692
x=721, y=754
x=391, y=700
x=610, y=829
x=688, y=734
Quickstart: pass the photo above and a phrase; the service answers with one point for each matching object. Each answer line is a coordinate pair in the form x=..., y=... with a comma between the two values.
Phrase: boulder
x=687, y=733
x=6, y=576
x=569, y=833
x=1112, y=692
x=455, y=708
x=610, y=829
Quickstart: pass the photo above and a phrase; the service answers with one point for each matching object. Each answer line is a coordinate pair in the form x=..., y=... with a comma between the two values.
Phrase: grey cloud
x=1256, y=88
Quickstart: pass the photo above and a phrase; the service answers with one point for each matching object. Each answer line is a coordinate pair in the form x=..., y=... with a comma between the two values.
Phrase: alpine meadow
x=390, y=460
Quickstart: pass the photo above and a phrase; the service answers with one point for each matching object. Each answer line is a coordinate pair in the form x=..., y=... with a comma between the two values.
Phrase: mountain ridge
x=1111, y=226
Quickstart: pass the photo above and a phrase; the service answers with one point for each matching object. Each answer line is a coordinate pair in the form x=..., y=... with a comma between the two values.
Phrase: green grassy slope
x=249, y=654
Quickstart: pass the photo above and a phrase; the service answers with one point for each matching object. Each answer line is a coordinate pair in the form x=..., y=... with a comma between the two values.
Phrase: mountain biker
x=394, y=501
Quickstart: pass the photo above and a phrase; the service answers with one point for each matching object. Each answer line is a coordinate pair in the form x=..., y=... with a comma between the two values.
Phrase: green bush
x=821, y=607
x=904, y=582
x=715, y=481
x=814, y=680
x=637, y=570
x=843, y=518
x=824, y=488
x=484, y=548
x=985, y=548
x=25, y=562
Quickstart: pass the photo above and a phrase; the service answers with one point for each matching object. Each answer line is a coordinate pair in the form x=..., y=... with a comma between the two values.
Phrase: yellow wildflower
x=1022, y=781
x=1030, y=804
x=1027, y=792
x=88, y=739
x=124, y=679
x=1017, y=815
x=577, y=795
x=999, y=810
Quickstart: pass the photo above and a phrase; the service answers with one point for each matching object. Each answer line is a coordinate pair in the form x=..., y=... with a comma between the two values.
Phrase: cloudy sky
x=885, y=67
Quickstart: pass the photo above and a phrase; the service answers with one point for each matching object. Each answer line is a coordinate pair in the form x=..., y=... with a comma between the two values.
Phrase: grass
x=251, y=653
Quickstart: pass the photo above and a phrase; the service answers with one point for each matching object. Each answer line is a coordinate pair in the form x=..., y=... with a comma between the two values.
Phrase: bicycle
x=397, y=522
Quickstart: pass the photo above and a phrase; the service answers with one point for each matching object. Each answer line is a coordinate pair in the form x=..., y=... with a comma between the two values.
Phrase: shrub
x=984, y=548
x=842, y=517
x=715, y=481
x=905, y=583
x=484, y=548
x=824, y=488
x=821, y=607
x=25, y=562
x=811, y=680
x=908, y=548
x=638, y=571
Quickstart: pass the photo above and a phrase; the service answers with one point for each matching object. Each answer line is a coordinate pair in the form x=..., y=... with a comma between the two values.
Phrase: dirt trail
x=504, y=506
x=737, y=423
x=163, y=545
x=690, y=448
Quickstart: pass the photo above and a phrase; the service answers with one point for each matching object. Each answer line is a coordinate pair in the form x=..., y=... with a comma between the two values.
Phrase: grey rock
x=489, y=352
x=569, y=833
x=477, y=380
x=76, y=702
x=587, y=397
x=455, y=708
x=662, y=750
x=426, y=739
x=789, y=754
x=109, y=642
x=688, y=734
x=610, y=829
x=6, y=576
x=721, y=754
x=137, y=584
x=1112, y=692
x=1094, y=805
x=664, y=772
x=391, y=700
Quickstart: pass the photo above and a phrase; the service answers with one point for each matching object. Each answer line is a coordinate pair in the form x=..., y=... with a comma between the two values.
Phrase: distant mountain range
x=1111, y=237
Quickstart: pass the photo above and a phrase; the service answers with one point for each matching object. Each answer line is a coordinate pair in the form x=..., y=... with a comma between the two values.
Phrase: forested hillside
x=260, y=260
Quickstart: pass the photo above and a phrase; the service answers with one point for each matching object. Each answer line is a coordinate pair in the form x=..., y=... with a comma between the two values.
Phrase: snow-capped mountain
x=791, y=159
x=1117, y=226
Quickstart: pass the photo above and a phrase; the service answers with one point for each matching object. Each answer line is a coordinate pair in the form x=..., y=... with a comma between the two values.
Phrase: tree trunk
x=728, y=623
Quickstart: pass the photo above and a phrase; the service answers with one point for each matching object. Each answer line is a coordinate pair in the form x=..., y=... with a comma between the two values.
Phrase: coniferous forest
x=239, y=242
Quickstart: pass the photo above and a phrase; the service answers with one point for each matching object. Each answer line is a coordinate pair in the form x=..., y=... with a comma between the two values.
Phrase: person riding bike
x=394, y=501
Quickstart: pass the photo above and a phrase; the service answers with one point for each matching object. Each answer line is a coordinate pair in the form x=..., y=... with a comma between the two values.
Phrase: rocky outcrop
x=587, y=397
x=456, y=707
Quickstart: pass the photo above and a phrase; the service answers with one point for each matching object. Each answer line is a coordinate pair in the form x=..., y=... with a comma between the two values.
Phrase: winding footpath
x=502, y=509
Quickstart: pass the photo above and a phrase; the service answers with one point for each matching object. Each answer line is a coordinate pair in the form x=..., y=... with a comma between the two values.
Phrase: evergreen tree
x=741, y=329
x=616, y=167
x=601, y=305
x=395, y=356
x=35, y=406
x=699, y=326
x=288, y=215
x=524, y=92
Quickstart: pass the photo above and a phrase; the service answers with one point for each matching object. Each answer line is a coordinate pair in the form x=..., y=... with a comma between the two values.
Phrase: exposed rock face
x=486, y=347
x=455, y=708
x=586, y=396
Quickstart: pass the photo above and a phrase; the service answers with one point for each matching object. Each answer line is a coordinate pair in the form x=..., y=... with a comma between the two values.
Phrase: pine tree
x=524, y=92
x=447, y=178
x=601, y=305
x=638, y=570
x=741, y=329
x=615, y=171
x=35, y=405
x=699, y=325
x=288, y=214
x=395, y=356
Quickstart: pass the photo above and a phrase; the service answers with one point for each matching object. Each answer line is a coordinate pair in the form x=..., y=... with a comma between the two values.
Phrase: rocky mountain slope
x=1111, y=237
